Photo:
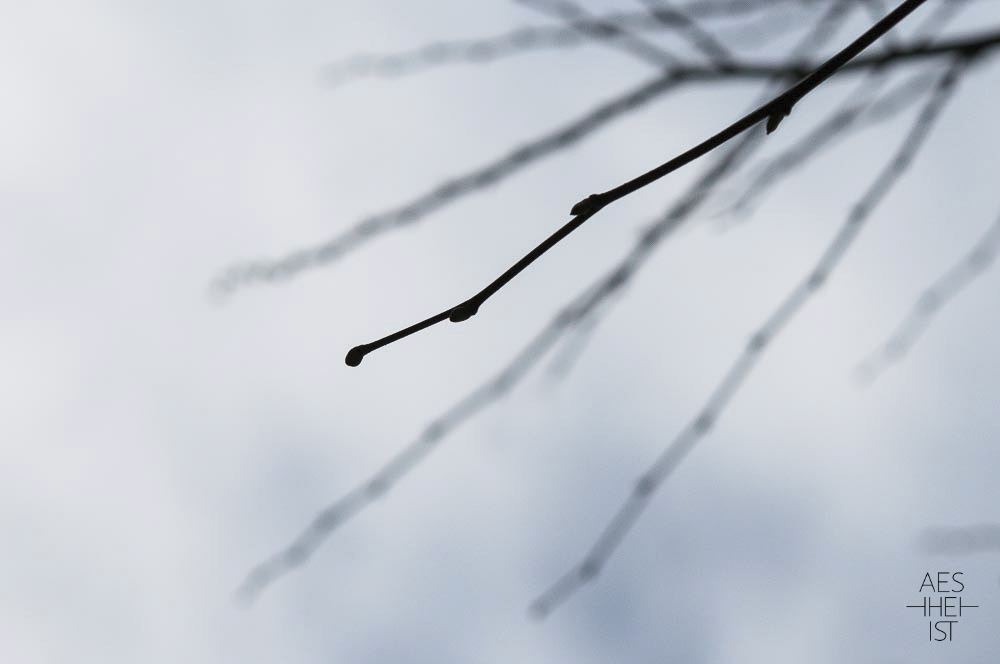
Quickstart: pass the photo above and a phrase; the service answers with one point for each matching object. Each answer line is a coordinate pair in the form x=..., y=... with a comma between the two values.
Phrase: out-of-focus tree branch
x=930, y=303
x=647, y=484
x=534, y=38
x=602, y=31
x=281, y=269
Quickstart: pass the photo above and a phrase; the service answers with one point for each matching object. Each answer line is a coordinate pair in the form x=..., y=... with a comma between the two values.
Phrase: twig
x=734, y=378
x=773, y=111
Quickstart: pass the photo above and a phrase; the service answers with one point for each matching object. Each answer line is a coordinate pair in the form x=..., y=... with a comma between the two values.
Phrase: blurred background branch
x=872, y=102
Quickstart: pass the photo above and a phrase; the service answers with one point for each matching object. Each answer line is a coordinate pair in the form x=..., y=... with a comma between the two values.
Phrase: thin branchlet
x=771, y=111
x=931, y=303
x=876, y=9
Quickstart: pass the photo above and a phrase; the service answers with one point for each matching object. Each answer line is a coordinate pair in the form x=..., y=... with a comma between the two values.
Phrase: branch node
x=780, y=114
x=464, y=311
x=590, y=205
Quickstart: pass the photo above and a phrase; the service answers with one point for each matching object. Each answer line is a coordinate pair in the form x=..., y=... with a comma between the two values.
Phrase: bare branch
x=772, y=111
x=735, y=377
x=534, y=38
x=876, y=9
x=930, y=303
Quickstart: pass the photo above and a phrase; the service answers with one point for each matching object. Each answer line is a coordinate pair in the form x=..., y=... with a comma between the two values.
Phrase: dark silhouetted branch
x=876, y=9
x=773, y=111
x=709, y=414
x=488, y=393
x=930, y=303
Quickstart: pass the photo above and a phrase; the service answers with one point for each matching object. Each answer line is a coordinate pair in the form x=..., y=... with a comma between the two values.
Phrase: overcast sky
x=156, y=445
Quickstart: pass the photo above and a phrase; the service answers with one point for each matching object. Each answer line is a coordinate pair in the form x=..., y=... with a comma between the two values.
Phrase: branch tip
x=355, y=355
x=538, y=611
